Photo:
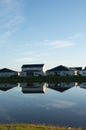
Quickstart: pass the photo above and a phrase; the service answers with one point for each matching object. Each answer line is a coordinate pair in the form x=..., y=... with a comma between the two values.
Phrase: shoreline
x=34, y=127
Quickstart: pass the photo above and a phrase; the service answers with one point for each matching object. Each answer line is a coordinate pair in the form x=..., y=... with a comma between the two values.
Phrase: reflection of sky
x=52, y=107
x=62, y=104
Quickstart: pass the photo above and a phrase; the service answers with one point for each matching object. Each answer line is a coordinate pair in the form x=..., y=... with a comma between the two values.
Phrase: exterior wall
x=32, y=68
x=40, y=71
x=34, y=87
x=67, y=73
x=8, y=74
x=8, y=85
x=83, y=85
x=31, y=73
x=23, y=74
x=75, y=72
x=82, y=72
x=60, y=73
x=51, y=73
x=61, y=84
x=44, y=69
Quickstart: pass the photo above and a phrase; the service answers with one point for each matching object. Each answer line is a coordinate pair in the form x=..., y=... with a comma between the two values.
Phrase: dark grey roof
x=32, y=65
x=5, y=88
x=60, y=89
x=6, y=70
x=34, y=91
x=60, y=68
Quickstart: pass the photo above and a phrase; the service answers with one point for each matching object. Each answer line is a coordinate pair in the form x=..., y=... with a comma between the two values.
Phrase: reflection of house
x=83, y=85
x=62, y=86
x=7, y=86
x=60, y=71
x=33, y=70
x=33, y=87
x=7, y=72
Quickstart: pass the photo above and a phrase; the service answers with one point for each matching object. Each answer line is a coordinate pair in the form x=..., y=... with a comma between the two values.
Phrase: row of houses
x=40, y=70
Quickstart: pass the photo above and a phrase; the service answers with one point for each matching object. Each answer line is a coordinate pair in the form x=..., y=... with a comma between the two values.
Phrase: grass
x=33, y=127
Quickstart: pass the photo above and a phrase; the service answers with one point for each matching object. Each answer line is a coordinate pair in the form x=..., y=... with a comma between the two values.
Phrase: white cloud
x=61, y=44
x=4, y=36
x=75, y=36
x=63, y=104
x=24, y=59
x=59, y=104
x=10, y=17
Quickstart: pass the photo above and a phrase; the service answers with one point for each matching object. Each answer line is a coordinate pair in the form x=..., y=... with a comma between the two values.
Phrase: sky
x=50, y=32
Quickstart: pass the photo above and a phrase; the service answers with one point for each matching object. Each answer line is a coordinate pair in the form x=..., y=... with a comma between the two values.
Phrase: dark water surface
x=40, y=103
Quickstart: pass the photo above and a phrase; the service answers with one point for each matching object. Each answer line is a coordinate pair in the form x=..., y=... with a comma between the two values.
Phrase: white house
x=33, y=87
x=7, y=72
x=60, y=71
x=33, y=70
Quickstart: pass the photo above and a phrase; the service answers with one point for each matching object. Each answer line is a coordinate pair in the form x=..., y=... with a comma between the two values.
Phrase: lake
x=62, y=104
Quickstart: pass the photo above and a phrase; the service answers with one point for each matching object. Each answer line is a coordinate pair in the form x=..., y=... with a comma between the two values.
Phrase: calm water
x=55, y=104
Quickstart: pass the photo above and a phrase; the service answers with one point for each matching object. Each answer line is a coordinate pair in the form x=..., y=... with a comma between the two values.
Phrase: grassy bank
x=45, y=79
x=33, y=127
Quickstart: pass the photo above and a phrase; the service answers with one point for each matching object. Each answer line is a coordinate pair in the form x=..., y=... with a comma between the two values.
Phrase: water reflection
x=35, y=87
x=7, y=86
x=83, y=85
x=40, y=87
x=52, y=108
x=61, y=86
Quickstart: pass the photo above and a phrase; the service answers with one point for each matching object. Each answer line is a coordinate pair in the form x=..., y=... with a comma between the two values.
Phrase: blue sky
x=52, y=32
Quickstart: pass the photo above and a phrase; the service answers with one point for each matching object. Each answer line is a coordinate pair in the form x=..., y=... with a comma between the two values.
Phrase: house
x=83, y=85
x=7, y=72
x=35, y=87
x=33, y=70
x=77, y=70
x=7, y=86
x=82, y=72
x=61, y=86
x=60, y=71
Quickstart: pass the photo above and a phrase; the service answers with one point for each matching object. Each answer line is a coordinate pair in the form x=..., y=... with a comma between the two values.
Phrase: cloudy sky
x=52, y=32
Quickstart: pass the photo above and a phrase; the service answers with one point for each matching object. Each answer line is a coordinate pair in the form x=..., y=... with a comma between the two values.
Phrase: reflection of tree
x=35, y=87
x=61, y=87
x=7, y=86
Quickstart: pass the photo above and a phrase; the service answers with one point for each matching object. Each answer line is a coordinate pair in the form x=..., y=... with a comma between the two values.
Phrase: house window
x=57, y=73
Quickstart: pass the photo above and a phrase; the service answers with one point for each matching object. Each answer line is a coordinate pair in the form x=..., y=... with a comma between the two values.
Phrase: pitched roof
x=60, y=68
x=28, y=89
x=6, y=70
x=32, y=65
x=60, y=89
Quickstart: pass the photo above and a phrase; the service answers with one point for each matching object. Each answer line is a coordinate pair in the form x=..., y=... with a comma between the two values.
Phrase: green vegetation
x=33, y=127
x=44, y=79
